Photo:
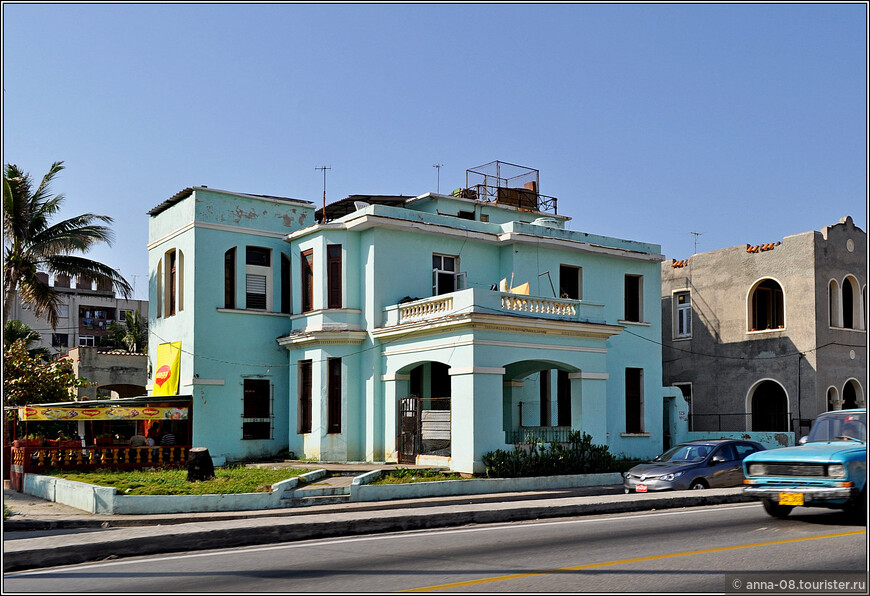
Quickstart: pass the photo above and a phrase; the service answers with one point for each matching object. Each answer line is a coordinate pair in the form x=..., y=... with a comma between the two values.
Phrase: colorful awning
x=30, y=413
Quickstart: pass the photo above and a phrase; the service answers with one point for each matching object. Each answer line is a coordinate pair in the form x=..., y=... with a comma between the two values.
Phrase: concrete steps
x=324, y=491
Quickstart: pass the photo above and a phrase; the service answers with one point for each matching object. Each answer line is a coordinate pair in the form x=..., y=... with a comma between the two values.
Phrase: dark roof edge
x=181, y=195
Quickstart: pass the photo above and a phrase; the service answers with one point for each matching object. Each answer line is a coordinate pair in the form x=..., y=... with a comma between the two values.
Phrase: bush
x=578, y=456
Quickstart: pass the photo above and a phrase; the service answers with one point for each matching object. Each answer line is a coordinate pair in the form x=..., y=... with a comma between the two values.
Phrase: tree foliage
x=132, y=333
x=32, y=243
x=30, y=380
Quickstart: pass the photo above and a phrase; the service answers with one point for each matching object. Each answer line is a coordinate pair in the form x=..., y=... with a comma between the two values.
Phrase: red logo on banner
x=163, y=374
x=150, y=411
x=90, y=413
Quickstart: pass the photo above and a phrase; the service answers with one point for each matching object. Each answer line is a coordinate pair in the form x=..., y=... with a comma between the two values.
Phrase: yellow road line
x=487, y=580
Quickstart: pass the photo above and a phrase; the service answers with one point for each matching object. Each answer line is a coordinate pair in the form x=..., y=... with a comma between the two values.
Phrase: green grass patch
x=406, y=476
x=228, y=480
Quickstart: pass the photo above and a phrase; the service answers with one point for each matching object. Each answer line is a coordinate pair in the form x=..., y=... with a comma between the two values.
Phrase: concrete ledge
x=47, y=551
x=360, y=490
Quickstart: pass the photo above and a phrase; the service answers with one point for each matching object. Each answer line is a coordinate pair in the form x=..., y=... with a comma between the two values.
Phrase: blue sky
x=746, y=122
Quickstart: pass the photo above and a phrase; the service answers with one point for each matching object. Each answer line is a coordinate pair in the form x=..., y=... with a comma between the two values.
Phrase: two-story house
x=432, y=328
x=765, y=337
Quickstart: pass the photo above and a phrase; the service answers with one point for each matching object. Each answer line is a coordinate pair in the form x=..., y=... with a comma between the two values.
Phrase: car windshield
x=684, y=453
x=834, y=426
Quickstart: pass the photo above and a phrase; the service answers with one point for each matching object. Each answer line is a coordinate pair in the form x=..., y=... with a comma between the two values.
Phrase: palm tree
x=32, y=243
x=17, y=330
x=133, y=332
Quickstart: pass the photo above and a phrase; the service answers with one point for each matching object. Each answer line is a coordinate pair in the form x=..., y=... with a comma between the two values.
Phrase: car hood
x=809, y=452
x=659, y=468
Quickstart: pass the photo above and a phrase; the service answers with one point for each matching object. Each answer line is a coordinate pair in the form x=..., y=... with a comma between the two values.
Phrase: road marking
x=487, y=580
x=315, y=542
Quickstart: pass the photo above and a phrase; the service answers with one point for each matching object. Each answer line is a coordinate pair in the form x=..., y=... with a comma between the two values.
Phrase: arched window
x=769, y=407
x=834, y=307
x=766, y=306
x=173, y=284
x=853, y=309
x=833, y=399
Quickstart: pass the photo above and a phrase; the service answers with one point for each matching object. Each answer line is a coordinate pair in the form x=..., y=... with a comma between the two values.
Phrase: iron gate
x=409, y=430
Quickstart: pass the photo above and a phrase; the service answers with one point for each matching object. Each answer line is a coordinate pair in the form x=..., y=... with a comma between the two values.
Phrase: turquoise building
x=428, y=329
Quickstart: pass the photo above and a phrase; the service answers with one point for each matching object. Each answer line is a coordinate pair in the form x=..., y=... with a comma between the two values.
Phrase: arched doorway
x=833, y=399
x=769, y=407
x=424, y=414
x=851, y=393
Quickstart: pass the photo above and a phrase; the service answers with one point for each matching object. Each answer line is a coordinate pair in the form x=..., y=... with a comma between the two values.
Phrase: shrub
x=578, y=456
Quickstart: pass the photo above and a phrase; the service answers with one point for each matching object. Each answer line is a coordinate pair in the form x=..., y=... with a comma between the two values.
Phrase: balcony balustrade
x=476, y=300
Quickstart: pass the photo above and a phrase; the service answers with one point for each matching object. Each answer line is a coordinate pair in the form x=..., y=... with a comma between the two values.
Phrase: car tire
x=857, y=508
x=698, y=485
x=776, y=510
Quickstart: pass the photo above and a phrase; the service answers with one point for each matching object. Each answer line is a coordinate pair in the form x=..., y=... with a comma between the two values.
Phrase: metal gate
x=409, y=430
x=423, y=431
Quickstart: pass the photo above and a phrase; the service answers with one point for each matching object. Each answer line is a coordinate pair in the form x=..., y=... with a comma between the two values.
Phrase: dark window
x=767, y=306
x=285, y=285
x=569, y=282
x=545, y=398
x=333, y=407
x=307, y=272
x=633, y=288
x=257, y=409
x=304, y=418
x=848, y=314
x=59, y=340
x=563, y=398
x=333, y=275
x=466, y=215
x=230, y=278
x=257, y=255
x=170, y=309
x=634, y=400
x=744, y=449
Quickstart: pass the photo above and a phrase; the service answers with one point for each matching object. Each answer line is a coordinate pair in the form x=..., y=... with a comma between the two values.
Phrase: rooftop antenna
x=437, y=167
x=696, y=234
x=324, y=168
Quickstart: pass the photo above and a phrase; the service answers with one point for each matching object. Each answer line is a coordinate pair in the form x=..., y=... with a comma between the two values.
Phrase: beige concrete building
x=766, y=337
x=86, y=310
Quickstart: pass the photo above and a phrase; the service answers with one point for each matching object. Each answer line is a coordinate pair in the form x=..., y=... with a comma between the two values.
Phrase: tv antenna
x=437, y=167
x=696, y=234
x=324, y=168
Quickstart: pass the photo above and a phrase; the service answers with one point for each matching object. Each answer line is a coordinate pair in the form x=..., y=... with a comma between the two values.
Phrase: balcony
x=492, y=302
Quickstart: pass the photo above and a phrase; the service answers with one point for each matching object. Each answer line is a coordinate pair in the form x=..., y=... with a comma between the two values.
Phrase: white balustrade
x=429, y=309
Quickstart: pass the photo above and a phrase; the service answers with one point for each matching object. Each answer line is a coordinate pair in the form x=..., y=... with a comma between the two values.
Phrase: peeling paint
x=288, y=220
x=242, y=214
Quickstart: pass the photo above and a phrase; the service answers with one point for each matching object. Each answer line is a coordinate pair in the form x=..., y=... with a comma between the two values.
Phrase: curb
x=46, y=552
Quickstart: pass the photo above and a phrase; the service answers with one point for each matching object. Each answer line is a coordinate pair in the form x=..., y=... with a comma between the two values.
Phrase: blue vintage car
x=827, y=469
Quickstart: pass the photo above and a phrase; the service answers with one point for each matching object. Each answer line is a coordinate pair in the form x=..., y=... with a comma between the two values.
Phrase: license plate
x=641, y=488
x=791, y=498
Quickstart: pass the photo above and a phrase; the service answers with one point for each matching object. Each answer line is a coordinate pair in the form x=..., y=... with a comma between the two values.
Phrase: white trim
x=488, y=342
x=245, y=311
x=197, y=381
x=395, y=377
x=217, y=227
x=365, y=221
x=638, y=324
x=476, y=370
x=591, y=376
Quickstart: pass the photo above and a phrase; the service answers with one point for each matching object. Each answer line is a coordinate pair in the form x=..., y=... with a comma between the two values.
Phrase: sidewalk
x=125, y=536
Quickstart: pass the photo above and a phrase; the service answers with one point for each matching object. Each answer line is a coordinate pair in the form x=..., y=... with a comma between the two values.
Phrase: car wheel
x=857, y=508
x=776, y=510
x=698, y=485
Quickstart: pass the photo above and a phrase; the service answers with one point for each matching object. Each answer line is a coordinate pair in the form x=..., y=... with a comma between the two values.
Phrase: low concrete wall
x=106, y=501
x=360, y=490
x=770, y=440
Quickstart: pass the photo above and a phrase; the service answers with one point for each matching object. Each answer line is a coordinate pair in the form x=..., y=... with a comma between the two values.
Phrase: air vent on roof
x=360, y=205
x=547, y=222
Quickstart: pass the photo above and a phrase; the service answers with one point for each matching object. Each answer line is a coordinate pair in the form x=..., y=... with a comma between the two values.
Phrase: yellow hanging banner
x=168, y=365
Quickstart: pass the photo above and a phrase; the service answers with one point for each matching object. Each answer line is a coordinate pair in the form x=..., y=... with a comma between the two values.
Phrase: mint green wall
x=221, y=348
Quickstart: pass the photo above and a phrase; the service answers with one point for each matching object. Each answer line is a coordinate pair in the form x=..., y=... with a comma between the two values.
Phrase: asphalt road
x=732, y=548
